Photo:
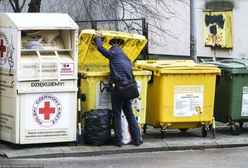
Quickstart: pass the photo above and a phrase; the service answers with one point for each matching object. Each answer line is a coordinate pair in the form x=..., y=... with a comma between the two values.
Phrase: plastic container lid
x=136, y=72
x=177, y=67
x=235, y=66
x=88, y=54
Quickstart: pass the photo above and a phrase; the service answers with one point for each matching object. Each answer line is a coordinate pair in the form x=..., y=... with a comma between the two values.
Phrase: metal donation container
x=94, y=70
x=231, y=98
x=180, y=95
x=38, y=77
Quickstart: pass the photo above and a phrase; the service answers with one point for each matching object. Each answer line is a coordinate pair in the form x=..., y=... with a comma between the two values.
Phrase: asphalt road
x=217, y=158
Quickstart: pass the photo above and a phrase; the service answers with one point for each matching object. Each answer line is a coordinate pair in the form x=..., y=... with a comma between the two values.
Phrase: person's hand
x=99, y=33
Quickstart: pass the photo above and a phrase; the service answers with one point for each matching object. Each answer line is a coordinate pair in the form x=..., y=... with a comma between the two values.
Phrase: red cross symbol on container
x=2, y=48
x=47, y=110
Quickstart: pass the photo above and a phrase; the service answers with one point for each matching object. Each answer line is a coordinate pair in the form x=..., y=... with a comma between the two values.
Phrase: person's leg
x=116, y=109
x=133, y=125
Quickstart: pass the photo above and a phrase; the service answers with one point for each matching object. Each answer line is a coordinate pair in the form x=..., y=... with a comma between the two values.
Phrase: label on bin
x=8, y=43
x=48, y=69
x=7, y=120
x=66, y=68
x=188, y=100
x=46, y=115
x=7, y=83
x=33, y=70
x=40, y=134
x=103, y=97
x=46, y=110
x=244, y=110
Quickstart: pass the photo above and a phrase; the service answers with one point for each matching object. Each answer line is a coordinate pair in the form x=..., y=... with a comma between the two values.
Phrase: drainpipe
x=193, y=52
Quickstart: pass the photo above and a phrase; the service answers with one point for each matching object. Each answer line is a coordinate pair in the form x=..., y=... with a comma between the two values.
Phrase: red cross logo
x=47, y=110
x=2, y=48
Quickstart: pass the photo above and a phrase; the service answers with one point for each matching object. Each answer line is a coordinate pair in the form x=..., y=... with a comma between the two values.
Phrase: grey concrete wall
x=179, y=45
x=174, y=41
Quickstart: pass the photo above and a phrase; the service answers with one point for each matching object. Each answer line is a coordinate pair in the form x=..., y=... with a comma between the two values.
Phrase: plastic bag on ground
x=126, y=136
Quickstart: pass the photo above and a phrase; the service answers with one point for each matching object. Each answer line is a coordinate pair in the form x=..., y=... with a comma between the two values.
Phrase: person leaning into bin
x=121, y=64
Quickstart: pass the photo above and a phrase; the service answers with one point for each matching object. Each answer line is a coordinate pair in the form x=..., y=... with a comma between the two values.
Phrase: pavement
x=174, y=140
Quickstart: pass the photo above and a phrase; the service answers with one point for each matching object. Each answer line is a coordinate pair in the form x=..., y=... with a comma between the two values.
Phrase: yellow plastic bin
x=180, y=95
x=99, y=98
x=94, y=70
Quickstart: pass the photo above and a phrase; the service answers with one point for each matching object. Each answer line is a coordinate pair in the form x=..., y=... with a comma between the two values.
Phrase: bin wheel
x=241, y=124
x=144, y=128
x=234, y=129
x=204, y=131
x=183, y=129
x=163, y=132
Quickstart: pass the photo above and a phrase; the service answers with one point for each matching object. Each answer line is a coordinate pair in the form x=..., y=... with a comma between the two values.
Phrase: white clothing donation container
x=38, y=78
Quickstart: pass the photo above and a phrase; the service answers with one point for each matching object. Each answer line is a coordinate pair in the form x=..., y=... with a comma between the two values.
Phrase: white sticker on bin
x=103, y=97
x=244, y=109
x=50, y=69
x=46, y=111
x=66, y=68
x=33, y=69
x=188, y=100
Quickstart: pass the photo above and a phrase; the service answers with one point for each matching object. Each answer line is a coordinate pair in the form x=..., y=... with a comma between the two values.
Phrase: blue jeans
x=126, y=106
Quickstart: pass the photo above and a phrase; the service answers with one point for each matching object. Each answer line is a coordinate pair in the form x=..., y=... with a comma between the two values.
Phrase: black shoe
x=118, y=143
x=138, y=142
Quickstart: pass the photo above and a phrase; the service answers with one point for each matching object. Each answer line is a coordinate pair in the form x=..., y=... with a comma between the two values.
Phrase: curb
x=123, y=150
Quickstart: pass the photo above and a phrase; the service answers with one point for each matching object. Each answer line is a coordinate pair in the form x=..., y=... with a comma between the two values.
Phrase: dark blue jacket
x=120, y=65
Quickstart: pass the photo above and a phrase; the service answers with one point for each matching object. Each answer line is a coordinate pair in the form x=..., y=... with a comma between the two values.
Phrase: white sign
x=103, y=97
x=188, y=100
x=45, y=112
x=244, y=109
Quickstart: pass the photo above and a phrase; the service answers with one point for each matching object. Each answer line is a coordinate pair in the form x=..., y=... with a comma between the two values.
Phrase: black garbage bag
x=97, y=127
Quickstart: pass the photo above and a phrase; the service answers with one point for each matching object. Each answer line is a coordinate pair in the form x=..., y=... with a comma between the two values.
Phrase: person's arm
x=100, y=48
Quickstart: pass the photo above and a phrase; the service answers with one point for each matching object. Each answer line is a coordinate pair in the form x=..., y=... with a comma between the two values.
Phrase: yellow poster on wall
x=218, y=29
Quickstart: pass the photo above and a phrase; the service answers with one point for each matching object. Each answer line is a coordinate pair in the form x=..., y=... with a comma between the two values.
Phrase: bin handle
x=226, y=61
x=104, y=86
x=57, y=56
x=40, y=64
x=39, y=56
x=206, y=60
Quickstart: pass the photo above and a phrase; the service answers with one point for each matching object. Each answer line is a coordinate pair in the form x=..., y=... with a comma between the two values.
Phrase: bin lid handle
x=234, y=61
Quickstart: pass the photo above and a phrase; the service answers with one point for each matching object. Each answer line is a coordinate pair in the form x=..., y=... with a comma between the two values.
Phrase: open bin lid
x=38, y=21
x=234, y=66
x=177, y=67
x=88, y=54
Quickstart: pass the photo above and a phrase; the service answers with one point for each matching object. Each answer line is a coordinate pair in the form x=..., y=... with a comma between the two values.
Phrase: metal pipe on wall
x=193, y=52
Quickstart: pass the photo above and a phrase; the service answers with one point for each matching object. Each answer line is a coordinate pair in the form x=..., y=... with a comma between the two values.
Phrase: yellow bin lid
x=176, y=67
x=132, y=45
x=95, y=73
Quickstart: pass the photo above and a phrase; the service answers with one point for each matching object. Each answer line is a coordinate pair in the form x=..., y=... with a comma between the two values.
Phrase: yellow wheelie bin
x=180, y=95
x=94, y=70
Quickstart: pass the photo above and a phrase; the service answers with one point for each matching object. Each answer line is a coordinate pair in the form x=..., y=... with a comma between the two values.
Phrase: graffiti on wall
x=218, y=29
